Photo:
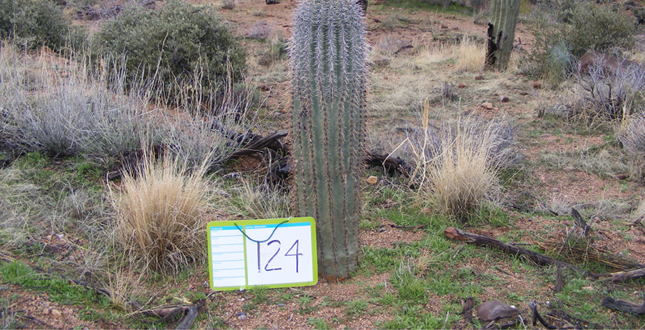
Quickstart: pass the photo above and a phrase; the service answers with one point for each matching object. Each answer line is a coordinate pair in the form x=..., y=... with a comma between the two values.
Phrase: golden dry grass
x=470, y=56
x=161, y=215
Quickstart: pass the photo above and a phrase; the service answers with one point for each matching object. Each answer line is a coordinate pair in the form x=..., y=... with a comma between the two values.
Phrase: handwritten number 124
x=288, y=254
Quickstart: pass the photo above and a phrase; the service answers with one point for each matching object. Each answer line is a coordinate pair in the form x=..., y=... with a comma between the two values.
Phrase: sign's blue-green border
x=242, y=224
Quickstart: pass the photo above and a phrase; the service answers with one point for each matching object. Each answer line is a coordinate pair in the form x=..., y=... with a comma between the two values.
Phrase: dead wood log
x=390, y=164
x=538, y=317
x=188, y=320
x=257, y=143
x=540, y=259
x=624, y=306
x=468, y=309
x=623, y=276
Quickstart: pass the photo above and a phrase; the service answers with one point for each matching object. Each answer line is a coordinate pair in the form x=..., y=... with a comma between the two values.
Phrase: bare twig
x=538, y=317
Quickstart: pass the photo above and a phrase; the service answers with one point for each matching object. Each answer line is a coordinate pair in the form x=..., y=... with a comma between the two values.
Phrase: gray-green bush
x=84, y=115
x=567, y=29
x=186, y=47
x=34, y=23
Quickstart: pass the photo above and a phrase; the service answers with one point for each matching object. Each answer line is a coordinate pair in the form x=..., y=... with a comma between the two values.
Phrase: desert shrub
x=612, y=93
x=186, y=47
x=33, y=23
x=567, y=29
x=261, y=30
x=81, y=114
x=161, y=215
x=632, y=136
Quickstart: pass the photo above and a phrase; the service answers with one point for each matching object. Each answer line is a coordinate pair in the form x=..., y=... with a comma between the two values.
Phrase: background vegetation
x=118, y=147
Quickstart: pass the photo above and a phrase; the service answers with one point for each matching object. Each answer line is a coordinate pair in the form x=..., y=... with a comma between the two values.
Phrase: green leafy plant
x=184, y=46
x=328, y=52
x=570, y=29
x=34, y=23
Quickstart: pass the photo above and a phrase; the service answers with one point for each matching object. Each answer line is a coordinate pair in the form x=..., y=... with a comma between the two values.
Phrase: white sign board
x=268, y=253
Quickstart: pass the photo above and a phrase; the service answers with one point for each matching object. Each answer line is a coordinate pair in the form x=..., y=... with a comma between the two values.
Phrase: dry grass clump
x=640, y=212
x=632, y=135
x=261, y=30
x=470, y=55
x=161, y=214
x=260, y=202
x=122, y=286
x=457, y=164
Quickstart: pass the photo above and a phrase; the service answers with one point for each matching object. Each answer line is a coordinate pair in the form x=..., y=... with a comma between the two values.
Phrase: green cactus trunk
x=502, y=33
x=329, y=76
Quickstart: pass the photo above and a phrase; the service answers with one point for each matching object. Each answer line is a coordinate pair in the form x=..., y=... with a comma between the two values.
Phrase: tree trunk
x=501, y=33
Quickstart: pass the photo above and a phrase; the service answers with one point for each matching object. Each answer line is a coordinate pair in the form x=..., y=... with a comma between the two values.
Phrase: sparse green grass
x=58, y=289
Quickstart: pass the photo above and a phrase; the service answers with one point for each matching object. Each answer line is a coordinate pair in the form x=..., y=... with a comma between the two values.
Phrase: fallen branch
x=188, y=320
x=540, y=259
x=624, y=306
x=622, y=276
x=469, y=304
x=538, y=317
x=390, y=164
x=257, y=142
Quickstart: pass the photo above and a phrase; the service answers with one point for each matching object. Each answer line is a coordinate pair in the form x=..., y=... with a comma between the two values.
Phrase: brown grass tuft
x=161, y=215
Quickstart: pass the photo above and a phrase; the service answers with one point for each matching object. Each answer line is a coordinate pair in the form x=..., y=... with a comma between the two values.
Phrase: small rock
x=495, y=310
x=480, y=77
x=524, y=93
x=444, y=26
x=280, y=305
x=461, y=86
x=241, y=316
x=487, y=106
x=45, y=310
x=537, y=85
x=503, y=98
x=372, y=180
x=277, y=113
x=545, y=135
x=56, y=313
x=588, y=288
x=380, y=60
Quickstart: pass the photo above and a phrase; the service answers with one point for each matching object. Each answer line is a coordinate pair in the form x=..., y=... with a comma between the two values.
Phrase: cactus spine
x=329, y=76
x=502, y=33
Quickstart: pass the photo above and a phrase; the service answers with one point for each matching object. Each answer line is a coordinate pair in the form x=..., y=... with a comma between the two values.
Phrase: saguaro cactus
x=327, y=53
x=501, y=33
